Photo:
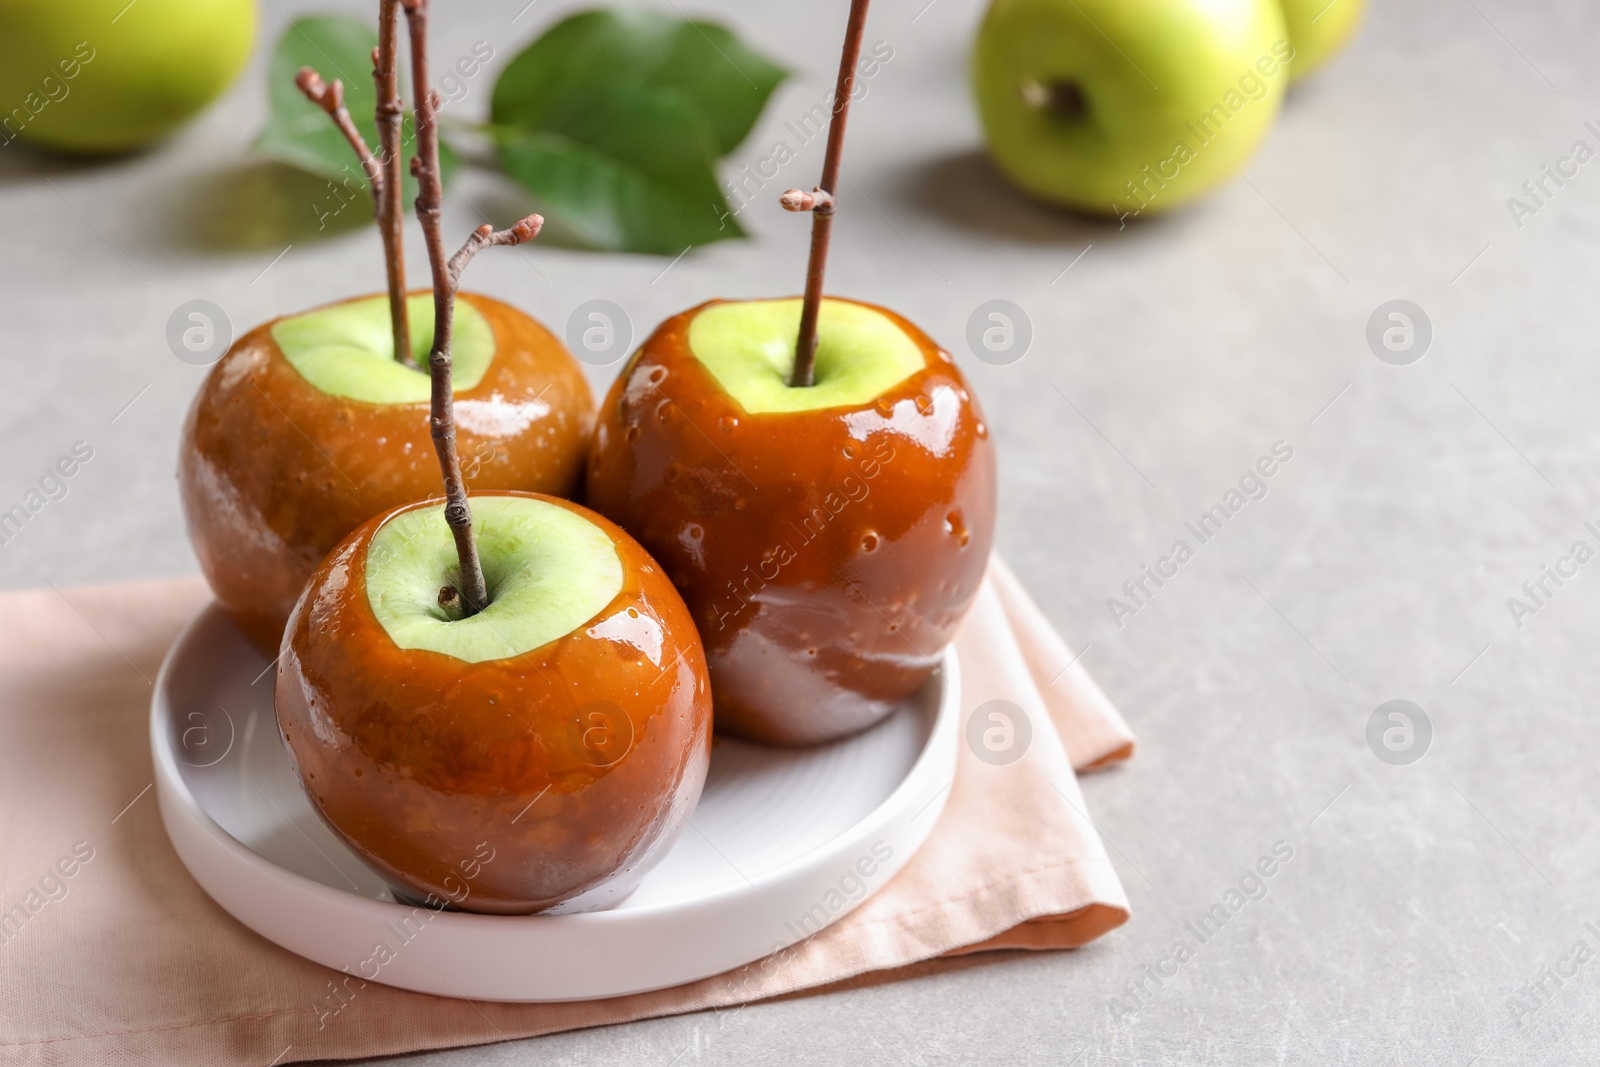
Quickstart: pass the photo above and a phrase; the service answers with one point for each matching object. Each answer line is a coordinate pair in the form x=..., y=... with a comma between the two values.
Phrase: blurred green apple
x=94, y=76
x=1119, y=107
x=1319, y=28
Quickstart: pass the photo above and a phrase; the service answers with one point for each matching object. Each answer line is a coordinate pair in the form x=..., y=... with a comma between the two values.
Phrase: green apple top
x=549, y=570
x=1113, y=107
x=96, y=76
x=748, y=347
x=1318, y=29
x=348, y=349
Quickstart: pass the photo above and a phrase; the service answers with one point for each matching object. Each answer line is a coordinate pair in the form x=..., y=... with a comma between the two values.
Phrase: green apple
x=96, y=76
x=566, y=727
x=1318, y=29
x=827, y=539
x=348, y=349
x=748, y=346
x=1119, y=108
x=308, y=426
x=548, y=568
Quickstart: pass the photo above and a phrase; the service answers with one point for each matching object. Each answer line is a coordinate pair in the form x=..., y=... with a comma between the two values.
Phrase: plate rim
x=172, y=789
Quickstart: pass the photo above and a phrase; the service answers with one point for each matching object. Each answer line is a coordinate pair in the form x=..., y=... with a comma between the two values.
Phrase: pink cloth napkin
x=109, y=949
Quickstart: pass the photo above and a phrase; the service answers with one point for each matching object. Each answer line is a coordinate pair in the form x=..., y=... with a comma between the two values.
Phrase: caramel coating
x=827, y=556
x=274, y=473
x=553, y=779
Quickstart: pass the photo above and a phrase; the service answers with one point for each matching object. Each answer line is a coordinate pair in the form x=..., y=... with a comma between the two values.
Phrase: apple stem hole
x=390, y=115
x=382, y=170
x=821, y=204
x=446, y=274
x=1063, y=98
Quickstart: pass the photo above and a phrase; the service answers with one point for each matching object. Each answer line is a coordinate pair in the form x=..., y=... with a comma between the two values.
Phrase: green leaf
x=615, y=121
x=301, y=134
x=624, y=172
x=646, y=54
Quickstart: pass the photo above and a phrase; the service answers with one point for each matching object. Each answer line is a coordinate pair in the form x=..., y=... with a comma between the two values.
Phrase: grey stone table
x=1424, y=903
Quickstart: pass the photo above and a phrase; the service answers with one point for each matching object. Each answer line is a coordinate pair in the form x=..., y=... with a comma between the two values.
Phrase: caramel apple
x=540, y=754
x=309, y=426
x=498, y=701
x=828, y=539
x=817, y=479
x=314, y=423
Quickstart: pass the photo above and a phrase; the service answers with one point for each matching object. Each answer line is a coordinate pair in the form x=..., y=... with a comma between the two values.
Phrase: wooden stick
x=525, y=229
x=391, y=206
x=383, y=177
x=330, y=98
x=822, y=205
x=474, y=591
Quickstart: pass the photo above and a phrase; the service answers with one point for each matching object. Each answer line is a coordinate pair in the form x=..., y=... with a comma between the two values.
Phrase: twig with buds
x=473, y=592
x=820, y=202
x=800, y=200
x=330, y=98
x=383, y=174
x=525, y=229
x=390, y=112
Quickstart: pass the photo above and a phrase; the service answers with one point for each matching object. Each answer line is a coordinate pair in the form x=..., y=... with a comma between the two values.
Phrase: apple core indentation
x=348, y=349
x=748, y=347
x=549, y=571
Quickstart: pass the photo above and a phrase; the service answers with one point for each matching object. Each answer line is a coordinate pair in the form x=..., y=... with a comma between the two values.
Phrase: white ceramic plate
x=782, y=843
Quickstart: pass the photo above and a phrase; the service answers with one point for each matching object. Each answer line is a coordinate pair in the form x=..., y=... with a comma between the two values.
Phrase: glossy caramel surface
x=274, y=473
x=551, y=779
x=827, y=556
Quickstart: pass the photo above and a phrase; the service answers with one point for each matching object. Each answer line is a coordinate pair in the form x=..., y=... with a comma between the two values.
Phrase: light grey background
x=1168, y=358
